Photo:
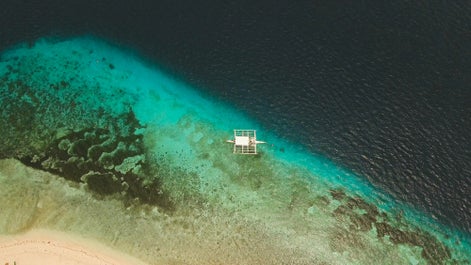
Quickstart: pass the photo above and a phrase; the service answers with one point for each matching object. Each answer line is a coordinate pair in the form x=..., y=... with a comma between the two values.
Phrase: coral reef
x=363, y=216
x=65, y=124
x=107, y=162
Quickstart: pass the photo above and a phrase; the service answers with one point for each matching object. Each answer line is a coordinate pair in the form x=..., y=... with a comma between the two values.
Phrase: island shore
x=131, y=158
x=52, y=247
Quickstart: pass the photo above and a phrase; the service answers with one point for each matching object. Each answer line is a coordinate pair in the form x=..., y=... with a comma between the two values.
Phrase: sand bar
x=51, y=247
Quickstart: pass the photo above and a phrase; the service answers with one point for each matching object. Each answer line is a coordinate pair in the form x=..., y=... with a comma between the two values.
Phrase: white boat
x=245, y=142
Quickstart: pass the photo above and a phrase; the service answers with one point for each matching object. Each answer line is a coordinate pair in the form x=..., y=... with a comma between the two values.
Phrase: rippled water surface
x=382, y=89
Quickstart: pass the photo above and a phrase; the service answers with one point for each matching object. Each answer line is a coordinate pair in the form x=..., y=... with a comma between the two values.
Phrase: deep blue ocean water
x=379, y=88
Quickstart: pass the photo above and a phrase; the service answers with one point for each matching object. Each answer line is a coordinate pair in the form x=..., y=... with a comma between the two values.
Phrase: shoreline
x=218, y=208
x=40, y=246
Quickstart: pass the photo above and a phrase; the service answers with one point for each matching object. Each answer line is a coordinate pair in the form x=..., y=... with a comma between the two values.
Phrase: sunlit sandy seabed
x=203, y=204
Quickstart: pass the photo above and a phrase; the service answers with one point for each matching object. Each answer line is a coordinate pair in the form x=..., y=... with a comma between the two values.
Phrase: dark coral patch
x=362, y=216
x=107, y=161
x=432, y=250
x=337, y=194
x=103, y=183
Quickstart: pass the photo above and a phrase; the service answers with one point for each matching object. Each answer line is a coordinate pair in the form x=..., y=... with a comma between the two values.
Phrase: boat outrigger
x=245, y=142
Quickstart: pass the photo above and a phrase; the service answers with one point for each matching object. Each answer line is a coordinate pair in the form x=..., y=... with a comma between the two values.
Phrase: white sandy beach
x=51, y=247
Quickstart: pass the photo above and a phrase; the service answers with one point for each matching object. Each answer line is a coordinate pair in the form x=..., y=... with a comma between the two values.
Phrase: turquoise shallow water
x=184, y=132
